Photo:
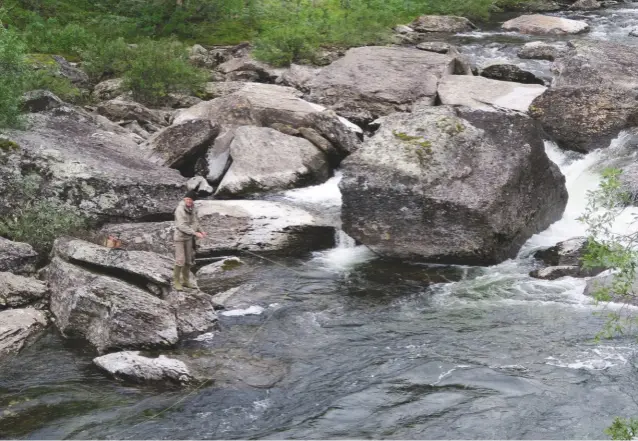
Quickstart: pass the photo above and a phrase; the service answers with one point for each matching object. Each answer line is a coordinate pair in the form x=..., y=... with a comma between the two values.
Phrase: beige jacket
x=186, y=223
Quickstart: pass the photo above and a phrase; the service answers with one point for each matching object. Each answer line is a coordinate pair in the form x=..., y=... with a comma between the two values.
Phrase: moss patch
x=231, y=264
x=421, y=147
x=6, y=145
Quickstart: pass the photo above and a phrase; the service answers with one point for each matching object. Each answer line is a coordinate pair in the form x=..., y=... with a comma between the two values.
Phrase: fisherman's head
x=190, y=198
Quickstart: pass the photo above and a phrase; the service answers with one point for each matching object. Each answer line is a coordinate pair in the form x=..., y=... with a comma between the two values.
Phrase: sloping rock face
x=374, y=81
x=179, y=143
x=90, y=164
x=484, y=93
x=18, y=291
x=264, y=159
x=545, y=25
x=451, y=185
x=232, y=226
x=16, y=257
x=593, y=96
x=131, y=366
x=19, y=328
x=223, y=275
x=442, y=23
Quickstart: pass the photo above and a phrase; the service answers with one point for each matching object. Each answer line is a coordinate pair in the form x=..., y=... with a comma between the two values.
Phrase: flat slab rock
x=545, y=25
x=484, y=93
x=257, y=226
x=19, y=328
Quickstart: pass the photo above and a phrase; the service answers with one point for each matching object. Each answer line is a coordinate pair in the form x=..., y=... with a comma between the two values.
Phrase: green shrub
x=52, y=38
x=60, y=86
x=39, y=221
x=286, y=44
x=159, y=68
x=12, y=77
x=107, y=59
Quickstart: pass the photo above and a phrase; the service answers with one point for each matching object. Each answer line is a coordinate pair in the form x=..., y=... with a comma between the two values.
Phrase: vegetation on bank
x=100, y=34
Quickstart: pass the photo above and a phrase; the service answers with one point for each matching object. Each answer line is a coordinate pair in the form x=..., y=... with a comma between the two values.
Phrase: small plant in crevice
x=421, y=147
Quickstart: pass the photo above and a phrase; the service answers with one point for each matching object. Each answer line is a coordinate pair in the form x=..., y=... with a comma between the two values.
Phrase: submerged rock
x=451, y=185
x=131, y=366
x=540, y=50
x=510, y=72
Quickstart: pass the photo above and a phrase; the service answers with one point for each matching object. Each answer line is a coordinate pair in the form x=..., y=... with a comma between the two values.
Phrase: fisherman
x=187, y=229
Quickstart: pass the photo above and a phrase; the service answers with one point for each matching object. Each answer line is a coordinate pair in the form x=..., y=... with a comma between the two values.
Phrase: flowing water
x=373, y=349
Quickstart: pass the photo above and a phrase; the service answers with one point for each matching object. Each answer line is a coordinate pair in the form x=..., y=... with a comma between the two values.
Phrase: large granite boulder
x=374, y=81
x=545, y=25
x=106, y=311
x=233, y=226
x=593, y=96
x=108, y=89
x=119, y=109
x=16, y=257
x=451, y=185
x=223, y=275
x=19, y=328
x=89, y=163
x=484, y=93
x=264, y=159
x=16, y=291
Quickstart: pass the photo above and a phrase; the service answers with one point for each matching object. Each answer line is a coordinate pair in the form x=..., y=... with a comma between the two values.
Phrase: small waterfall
x=342, y=240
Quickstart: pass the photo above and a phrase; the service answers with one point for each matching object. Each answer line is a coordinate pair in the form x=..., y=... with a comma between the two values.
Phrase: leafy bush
x=107, y=59
x=12, y=77
x=62, y=87
x=52, y=38
x=159, y=68
x=622, y=429
x=286, y=44
x=39, y=221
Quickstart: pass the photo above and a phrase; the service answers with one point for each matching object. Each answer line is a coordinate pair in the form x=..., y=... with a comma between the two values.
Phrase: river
x=376, y=349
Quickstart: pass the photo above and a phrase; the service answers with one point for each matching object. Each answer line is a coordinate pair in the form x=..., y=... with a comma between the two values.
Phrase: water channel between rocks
x=375, y=349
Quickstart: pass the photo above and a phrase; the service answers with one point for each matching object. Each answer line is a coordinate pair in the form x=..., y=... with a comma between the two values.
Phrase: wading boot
x=186, y=275
x=177, y=271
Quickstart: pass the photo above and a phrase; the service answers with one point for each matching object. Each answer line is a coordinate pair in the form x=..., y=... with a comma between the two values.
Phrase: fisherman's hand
x=200, y=235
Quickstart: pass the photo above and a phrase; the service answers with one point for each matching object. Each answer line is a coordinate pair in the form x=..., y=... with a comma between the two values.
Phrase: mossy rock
x=41, y=61
x=8, y=146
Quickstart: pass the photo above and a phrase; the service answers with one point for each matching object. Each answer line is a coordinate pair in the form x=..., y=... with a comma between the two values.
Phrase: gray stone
x=374, y=81
x=18, y=291
x=109, y=89
x=604, y=283
x=442, y=23
x=264, y=159
x=633, y=32
x=540, y=50
x=195, y=311
x=586, y=5
x=106, y=311
x=179, y=143
x=39, y=101
x=17, y=257
x=232, y=226
x=90, y=164
x=223, y=275
x=299, y=77
x=256, y=70
x=486, y=94
x=19, y=328
x=451, y=185
x=556, y=272
x=333, y=155
x=510, y=72
x=66, y=70
x=593, y=96
x=131, y=366
x=545, y=25
x=120, y=110
x=440, y=47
